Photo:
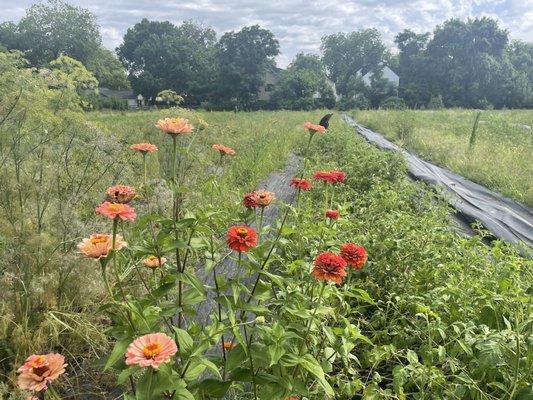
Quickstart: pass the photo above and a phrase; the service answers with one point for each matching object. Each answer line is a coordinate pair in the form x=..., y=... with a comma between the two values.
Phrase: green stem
x=104, y=276
x=252, y=368
x=260, y=228
x=150, y=373
x=174, y=156
x=144, y=168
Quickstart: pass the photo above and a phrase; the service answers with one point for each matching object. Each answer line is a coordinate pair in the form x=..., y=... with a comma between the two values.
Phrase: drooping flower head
x=248, y=200
x=151, y=350
x=300, y=183
x=329, y=266
x=144, y=147
x=38, y=371
x=175, y=126
x=116, y=210
x=120, y=194
x=241, y=238
x=99, y=245
x=154, y=261
x=313, y=128
x=354, y=255
x=264, y=198
x=332, y=214
x=224, y=150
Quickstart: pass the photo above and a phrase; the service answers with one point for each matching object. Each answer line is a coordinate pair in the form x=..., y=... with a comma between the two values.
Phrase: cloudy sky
x=298, y=24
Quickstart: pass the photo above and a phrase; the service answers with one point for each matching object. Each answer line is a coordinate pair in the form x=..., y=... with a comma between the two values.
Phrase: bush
x=393, y=103
x=435, y=103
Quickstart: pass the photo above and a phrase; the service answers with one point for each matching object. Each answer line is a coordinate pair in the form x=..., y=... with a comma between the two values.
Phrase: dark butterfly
x=325, y=120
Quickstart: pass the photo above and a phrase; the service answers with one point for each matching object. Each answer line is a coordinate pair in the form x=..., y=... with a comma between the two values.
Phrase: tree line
x=471, y=63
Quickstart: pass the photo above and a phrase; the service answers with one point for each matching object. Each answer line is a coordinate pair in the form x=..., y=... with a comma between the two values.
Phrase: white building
x=388, y=74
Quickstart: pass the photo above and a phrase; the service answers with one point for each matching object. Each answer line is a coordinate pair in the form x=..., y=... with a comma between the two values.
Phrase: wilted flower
x=175, y=126
x=154, y=261
x=313, y=128
x=241, y=237
x=329, y=266
x=332, y=214
x=354, y=255
x=120, y=194
x=116, y=210
x=144, y=147
x=300, y=183
x=248, y=200
x=99, y=245
x=228, y=344
x=38, y=371
x=151, y=350
x=224, y=150
x=264, y=198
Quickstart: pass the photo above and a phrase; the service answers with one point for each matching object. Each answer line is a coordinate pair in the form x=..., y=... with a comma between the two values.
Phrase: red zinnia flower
x=313, y=128
x=332, y=214
x=249, y=200
x=354, y=255
x=300, y=183
x=338, y=176
x=241, y=237
x=330, y=176
x=329, y=266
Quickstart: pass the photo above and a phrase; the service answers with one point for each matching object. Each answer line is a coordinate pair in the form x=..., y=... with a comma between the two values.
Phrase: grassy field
x=431, y=314
x=500, y=159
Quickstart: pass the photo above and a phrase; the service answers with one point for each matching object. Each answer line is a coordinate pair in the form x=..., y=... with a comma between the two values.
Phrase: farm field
x=429, y=314
x=500, y=159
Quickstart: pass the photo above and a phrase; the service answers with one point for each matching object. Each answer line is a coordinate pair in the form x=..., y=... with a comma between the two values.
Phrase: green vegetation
x=500, y=158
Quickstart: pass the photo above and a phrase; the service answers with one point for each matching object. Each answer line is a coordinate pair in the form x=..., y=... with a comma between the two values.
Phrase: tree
x=71, y=73
x=243, y=58
x=108, y=70
x=159, y=55
x=346, y=54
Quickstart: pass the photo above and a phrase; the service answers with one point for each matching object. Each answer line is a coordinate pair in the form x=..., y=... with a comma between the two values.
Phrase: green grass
x=500, y=159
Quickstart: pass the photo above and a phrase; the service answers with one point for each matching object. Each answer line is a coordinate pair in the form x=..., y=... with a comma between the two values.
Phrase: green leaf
x=185, y=341
x=125, y=374
x=308, y=362
x=117, y=353
x=214, y=388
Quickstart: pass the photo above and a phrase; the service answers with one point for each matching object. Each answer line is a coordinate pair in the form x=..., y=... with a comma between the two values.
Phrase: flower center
x=242, y=232
x=115, y=207
x=97, y=239
x=151, y=350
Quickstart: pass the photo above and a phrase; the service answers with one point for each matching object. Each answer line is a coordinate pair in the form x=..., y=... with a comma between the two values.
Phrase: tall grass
x=500, y=158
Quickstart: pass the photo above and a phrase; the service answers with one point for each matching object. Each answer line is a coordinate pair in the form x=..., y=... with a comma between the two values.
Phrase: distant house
x=128, y=95
x=388, y=74
x=272, y=77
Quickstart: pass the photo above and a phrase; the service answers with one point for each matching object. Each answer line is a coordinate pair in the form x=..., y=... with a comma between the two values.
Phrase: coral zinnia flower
x=264, y=198
x=338, y=176
x=329, y=266
x=300, y=183
x=151, y=350
x=120, y=194
x=116, y=210
x=224, y=150
x=313, y=128
x=144, y=147
x=330, y=176
x=248, y=200
x=229, y=344
x=241, y=237
x=40, y=370
x=354, y=254
x=175, y=126
x=99, y=245
x=332, y=214
x=154, y=261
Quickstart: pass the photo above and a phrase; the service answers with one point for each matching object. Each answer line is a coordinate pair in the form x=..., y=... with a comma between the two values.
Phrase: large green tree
x=243, y=58
x=160, y=55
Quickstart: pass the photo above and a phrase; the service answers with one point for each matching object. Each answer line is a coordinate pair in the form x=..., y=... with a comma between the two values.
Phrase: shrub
x=393, y=103
x=435, y=103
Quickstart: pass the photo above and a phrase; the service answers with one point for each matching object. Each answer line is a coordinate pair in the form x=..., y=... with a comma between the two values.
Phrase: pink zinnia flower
x=175, y=126
x=151, y=350
x=120, y=194
x=116, y=210
x=154, y=261
x=144, y=147
x=99, y=245
x=313, y=128
x=40, y=370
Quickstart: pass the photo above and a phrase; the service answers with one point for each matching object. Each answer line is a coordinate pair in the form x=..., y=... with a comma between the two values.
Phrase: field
x=430, y=314
x=501, y=157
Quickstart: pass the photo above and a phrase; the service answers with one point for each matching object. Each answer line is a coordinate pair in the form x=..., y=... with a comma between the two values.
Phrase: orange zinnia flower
x=241, y=237
x=329, y=266
x=264, y=198
x=151, y=350
x=224, y=150
x=144, y=147
x=120, y=194
x=99, y=245
x=313, y=128
x=248, y=200
x=116, y=210
x=175, y=126
x=40, y=370
x=154, y=261
x=354, y=255
x=229, y=344
x=332, y=214
x=300, y=183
